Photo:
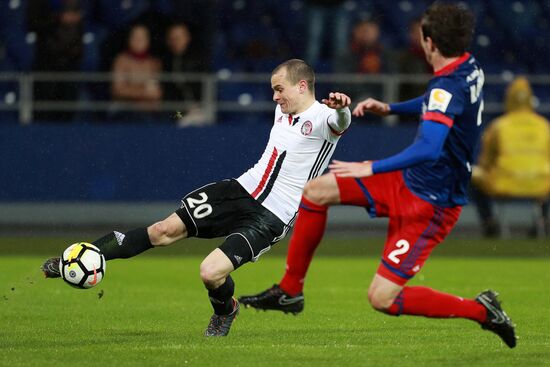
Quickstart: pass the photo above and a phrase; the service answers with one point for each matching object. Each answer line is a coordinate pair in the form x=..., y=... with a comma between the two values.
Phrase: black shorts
x=225, y=208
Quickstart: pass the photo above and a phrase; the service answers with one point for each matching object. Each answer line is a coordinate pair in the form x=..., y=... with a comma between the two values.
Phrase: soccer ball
x=82, y=265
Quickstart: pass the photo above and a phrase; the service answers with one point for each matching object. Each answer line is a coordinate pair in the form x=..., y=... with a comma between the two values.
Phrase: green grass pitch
x=153, y=310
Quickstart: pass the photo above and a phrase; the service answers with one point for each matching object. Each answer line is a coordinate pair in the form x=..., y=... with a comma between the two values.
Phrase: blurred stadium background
x=75, y=163
x=80, y=159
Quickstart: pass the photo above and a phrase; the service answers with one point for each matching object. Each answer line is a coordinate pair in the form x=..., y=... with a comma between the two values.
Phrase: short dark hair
x=297, y=70
x=450, y=26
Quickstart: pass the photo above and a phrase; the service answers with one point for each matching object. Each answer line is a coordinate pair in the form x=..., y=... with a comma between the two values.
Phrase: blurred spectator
x=413, y=61
x=366, y=55
x=58, y=27
x=179, y=58
x=136, y=74
x=326, y=19
x=200, y=16
x=515, y=156
x=255, y=46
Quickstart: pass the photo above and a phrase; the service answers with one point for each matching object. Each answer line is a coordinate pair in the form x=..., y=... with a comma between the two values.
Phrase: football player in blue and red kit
x=421, y=189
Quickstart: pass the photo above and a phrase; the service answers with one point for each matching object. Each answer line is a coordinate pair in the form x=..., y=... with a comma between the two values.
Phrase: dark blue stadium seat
x=20, y=50
x=165, y=7
x=117, y=14
x=13, y=15
x=396, y=17
x=246, y=94
x=493, y=93
x=18, y=43
x=232, y=91
x=93, y=38
x=542, y=92
x=518, y=19
x=232, y=12
x=477, y=7
x=517, y=31
x=9, y=95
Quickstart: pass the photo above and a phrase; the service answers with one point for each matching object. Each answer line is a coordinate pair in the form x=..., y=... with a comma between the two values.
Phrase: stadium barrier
x=224, y=92
x=59, y=177
x=45, y=163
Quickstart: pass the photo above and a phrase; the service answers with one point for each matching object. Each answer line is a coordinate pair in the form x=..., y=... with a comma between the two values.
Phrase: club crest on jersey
x=307, y=128
x=439, y=100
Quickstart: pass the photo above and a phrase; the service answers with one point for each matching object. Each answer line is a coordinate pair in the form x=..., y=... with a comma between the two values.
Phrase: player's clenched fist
x=337, y=100
x=373, y=106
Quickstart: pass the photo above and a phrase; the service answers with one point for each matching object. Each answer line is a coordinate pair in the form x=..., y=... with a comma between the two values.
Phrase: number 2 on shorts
x=402, y=248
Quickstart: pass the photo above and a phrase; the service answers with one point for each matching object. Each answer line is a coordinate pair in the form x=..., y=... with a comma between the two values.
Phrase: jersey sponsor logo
x=439, y=100
x=307, y=128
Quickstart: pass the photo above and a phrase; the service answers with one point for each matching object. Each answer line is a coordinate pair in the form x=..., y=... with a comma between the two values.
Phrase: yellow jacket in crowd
x=515, y=153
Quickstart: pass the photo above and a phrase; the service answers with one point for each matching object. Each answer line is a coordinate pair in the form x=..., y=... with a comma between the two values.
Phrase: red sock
x=308, y=231
x=423, y=301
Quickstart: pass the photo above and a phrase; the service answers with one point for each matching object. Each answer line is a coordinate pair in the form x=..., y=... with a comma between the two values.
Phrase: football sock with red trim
x=308, y=232
x=423, y=301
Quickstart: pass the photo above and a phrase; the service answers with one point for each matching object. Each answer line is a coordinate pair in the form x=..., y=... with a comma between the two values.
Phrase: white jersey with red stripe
x=299, y=149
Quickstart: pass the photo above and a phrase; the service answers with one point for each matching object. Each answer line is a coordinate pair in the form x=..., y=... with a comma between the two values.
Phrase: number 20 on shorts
x=200, y=207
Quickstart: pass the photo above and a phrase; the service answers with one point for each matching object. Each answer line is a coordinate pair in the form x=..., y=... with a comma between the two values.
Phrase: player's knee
x=161, y=234
x=379, y=300
x=317, y=191
x=211, y=275
x=310, y=191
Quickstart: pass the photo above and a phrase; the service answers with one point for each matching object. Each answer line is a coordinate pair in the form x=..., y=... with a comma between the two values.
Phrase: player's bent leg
x=118, y=245
x=214, y=271
x=167, y=231
x=383, y=293
x=287, y=296
x=318, y=195
x=215, y=268
x=322, y=190
x=394, y=299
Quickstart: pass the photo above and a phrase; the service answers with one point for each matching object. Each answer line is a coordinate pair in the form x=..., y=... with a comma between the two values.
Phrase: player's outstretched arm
x=412, y=106
x=351, y=169
x=427, y=147
x=341, y=119
x=373, y=106
x=337, y=100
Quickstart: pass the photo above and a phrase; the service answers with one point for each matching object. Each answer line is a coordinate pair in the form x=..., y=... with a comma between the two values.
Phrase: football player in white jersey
x=256, y=210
